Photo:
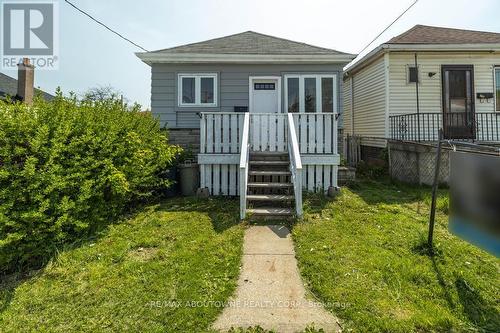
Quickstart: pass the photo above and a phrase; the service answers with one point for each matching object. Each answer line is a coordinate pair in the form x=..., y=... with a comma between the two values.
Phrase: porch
x=482, y=127
x=290, y=152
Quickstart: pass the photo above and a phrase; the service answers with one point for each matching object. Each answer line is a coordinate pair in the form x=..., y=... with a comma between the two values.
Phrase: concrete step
x=270, y=185
x=270, y=211
x=269, y=173
x=269, y=197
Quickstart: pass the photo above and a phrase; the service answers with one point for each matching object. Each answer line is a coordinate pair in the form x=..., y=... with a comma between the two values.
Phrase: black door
x=458, y=102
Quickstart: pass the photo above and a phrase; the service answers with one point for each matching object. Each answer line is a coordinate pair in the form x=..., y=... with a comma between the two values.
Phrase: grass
x=363, y=255
x=140, y=275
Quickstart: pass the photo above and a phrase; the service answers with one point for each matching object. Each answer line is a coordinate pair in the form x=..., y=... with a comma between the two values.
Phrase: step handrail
x=295, y=164
x=244, y=158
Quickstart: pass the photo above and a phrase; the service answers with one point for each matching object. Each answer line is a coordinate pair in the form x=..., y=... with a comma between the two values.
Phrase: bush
x=68, y=168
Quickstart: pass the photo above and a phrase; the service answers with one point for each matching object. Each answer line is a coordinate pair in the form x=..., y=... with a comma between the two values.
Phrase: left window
x=197, y=90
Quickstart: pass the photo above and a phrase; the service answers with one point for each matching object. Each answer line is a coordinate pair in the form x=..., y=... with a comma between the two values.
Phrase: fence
x=414, y=162
x=352, y=149
x=425, y=126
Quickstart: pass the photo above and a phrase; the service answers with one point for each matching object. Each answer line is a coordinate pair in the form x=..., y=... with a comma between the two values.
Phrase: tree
x=101, y=93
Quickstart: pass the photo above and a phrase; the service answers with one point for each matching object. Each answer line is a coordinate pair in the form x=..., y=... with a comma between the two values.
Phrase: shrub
x=68, y=168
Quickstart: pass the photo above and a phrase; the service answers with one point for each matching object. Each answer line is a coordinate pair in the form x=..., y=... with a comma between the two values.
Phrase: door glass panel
x=207, y=90
x=497, y=88
x=327, y=94
x=293, y=94
x=457, y=91
x=310, y=94
x=188, y=93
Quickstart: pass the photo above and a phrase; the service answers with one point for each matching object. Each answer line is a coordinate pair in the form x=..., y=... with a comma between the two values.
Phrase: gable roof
x=8, y=87
x=423, y=38
x=249, y=44
x=424, y=34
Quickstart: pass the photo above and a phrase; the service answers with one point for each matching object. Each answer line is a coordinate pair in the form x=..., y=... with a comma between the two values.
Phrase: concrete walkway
x=270, y=293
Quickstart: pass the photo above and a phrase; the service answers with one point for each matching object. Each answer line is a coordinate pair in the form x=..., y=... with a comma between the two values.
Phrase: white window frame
x=495, y=69
x=197, y=89
x=319, y=100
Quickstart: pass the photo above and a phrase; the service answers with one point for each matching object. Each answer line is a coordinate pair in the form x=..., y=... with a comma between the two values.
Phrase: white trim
x=319, y=97
x=197, y=90
x=250, y=90
x=219, y=158
x=495, y=68
x=324, y=159
x=200, y=58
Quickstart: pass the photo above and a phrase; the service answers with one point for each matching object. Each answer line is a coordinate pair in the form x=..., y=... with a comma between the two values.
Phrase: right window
x=311, y=93
x=497, y=89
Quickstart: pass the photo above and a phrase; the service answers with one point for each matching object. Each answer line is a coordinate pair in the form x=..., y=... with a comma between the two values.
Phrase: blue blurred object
x=475, y=199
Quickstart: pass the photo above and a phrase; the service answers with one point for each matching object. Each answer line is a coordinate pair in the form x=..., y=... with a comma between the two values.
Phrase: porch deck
x=309, y=140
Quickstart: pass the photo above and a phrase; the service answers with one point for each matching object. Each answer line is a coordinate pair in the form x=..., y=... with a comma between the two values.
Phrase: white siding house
x=380, y=92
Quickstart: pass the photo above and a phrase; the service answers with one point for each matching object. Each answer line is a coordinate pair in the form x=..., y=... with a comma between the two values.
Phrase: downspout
x=352, y=104
x=418, y=119
x=418, y=101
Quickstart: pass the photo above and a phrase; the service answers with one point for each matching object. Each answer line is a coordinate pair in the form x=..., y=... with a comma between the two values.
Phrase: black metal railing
x=458, y=126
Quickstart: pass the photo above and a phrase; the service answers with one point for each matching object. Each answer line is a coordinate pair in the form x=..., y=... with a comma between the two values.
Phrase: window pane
x=293, y=94
x=310, y=94
x=207, y=90
x=497, y=88
x=413, y=74
x=327, y=94
x=188, y=93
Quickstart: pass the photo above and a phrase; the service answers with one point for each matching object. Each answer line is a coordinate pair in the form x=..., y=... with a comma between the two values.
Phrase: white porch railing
x=295, y=165
x=221, y=144
x=268, y=132
x=220, y=132
x=315, y=132
x=244, y=158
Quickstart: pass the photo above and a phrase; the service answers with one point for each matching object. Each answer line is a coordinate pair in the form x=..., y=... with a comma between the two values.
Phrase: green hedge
x=68, y=168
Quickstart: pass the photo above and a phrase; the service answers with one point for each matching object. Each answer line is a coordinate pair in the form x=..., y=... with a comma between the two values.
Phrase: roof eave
x=387, y=47
x=208, y=58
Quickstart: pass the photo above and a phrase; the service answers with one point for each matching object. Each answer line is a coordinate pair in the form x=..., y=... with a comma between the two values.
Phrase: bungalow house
x=425, y=79
x=262, y=111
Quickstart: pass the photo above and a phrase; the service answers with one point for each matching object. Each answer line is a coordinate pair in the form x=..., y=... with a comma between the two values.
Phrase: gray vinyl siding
x=232, y=88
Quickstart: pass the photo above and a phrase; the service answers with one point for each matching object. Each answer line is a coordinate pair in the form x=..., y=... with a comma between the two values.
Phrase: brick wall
x=187, y=138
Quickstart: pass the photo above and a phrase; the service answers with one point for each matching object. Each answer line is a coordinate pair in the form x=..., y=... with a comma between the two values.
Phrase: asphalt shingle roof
x=251, y=42
x=423, y=34
x=8, y=87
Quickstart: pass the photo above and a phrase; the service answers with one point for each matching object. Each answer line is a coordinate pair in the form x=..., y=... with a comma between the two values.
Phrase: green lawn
x=363, y=255
x=124, y=280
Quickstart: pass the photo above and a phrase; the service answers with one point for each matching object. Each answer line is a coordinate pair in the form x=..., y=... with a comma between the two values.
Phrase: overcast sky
x=92, y=56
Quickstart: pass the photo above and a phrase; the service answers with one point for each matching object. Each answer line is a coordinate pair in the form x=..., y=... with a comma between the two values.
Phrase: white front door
x=265, y=94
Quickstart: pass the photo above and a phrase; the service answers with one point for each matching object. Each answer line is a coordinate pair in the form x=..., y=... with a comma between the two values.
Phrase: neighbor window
x=310, y=92
x=497, y=88
x=412, y=74
x=197, y=89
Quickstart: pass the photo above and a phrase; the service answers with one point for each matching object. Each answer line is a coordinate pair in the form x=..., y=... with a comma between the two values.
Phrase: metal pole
x=418, y=100
x=434, y=190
